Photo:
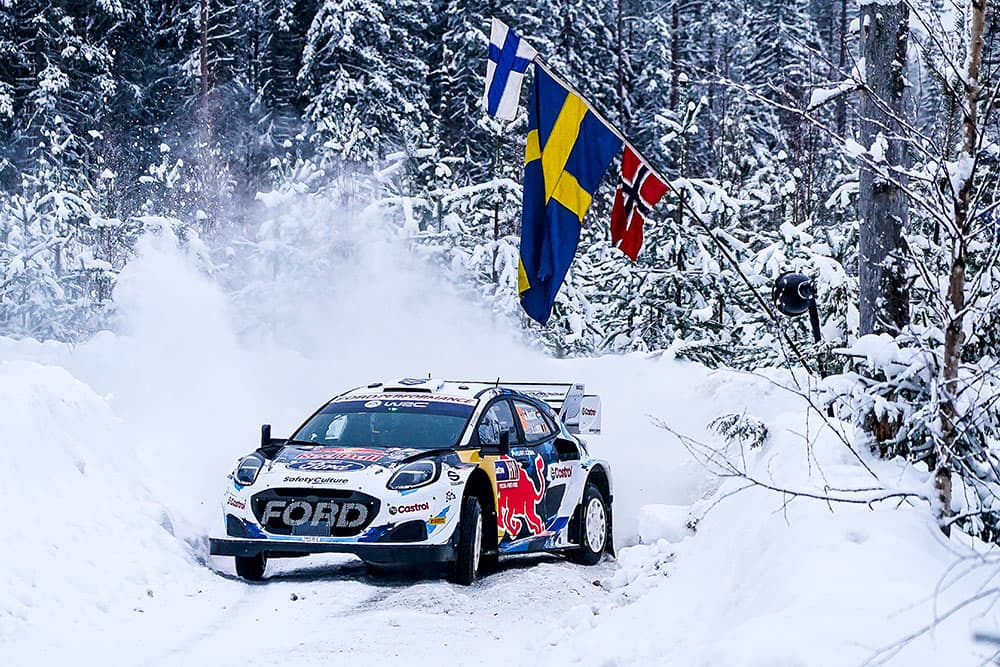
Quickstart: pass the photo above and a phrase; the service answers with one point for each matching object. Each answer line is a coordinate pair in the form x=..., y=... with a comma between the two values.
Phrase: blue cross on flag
x=508, y=59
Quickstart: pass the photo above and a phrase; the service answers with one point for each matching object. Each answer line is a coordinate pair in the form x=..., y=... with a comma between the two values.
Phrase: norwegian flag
x=638, y=191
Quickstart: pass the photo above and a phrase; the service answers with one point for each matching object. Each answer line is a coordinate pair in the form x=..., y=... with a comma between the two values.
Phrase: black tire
x=593, y=542
x=251, y=568
x=468, y=559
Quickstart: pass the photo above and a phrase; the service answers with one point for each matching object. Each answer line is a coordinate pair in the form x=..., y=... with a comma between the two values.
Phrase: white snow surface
x=115, y=454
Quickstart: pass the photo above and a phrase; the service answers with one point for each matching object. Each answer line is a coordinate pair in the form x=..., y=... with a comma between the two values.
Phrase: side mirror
x=265, y=435
x=505, y=443
x=500, y=449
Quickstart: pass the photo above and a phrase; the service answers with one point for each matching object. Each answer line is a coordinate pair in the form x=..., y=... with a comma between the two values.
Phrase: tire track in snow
x=300, y=616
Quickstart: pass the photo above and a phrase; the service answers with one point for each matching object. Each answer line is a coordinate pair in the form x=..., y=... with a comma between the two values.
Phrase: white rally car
x=426, y=471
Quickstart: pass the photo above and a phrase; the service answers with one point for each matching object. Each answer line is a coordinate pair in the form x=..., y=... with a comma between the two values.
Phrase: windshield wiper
x=427, y=453
x=307, y=443
x=271, y=449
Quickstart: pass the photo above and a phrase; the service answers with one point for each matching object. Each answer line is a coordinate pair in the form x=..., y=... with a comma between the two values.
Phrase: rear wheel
x=470, y=543
x=251, y=568
x=593, y=527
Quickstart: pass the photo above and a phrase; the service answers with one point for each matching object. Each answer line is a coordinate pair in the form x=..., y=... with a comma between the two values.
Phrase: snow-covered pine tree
x=456, y=91
x=282, y=34
x=61, y=244
x=365, y=79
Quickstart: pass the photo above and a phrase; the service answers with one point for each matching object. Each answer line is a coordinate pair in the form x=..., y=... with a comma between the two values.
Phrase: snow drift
x=778, y=578
x=84, y=537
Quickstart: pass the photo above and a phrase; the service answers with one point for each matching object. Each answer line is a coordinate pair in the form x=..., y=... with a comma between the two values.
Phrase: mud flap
x=609, y=547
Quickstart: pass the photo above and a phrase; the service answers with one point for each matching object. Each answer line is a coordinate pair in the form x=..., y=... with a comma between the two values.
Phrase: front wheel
x=593, y=527
x=470, y=543
x=251, y=568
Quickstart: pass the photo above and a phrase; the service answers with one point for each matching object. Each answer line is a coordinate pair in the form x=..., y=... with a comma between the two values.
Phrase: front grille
x=314, y=512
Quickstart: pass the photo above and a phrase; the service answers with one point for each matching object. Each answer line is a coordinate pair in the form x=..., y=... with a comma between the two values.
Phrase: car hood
x=341, y=460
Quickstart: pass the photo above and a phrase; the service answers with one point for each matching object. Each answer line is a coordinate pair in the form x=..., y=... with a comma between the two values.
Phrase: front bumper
x=401, y=554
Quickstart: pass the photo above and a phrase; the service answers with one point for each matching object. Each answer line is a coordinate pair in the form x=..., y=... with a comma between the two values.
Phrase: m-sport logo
x=321, y=513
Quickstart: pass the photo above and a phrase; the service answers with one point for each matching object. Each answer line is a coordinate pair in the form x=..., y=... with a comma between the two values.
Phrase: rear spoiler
x=579, y=411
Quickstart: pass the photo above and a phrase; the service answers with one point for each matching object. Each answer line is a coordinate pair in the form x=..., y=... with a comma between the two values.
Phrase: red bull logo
x=518, y=497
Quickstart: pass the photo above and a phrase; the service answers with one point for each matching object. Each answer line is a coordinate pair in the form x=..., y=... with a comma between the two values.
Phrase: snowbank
x=84, y=538
x=771, y=579
x=664, y=522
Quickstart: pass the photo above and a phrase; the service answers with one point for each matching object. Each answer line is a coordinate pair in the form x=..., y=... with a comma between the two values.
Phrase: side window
x=536, y=427
x=497, y=419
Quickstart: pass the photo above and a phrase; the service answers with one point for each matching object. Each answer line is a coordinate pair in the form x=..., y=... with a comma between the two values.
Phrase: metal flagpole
x=765, y=306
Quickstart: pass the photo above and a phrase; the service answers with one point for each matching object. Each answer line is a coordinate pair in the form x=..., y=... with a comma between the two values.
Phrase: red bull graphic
x=518, y=497
x=350, y=454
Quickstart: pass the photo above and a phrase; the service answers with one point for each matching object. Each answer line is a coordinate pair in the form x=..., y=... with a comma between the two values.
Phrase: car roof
x=548, y=394
x=562, y=400
x=428, y=387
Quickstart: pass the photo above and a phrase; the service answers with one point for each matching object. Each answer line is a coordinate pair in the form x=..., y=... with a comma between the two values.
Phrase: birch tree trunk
x=883, y=206
x=961, y=184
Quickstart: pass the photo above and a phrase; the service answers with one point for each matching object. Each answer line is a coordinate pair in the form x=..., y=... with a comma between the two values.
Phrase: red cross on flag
x=638, y=191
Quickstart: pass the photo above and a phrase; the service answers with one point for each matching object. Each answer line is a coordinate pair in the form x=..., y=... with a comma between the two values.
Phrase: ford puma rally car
x=426, y=471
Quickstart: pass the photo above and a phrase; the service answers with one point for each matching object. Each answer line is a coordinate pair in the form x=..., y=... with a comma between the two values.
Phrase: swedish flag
x=569, y=149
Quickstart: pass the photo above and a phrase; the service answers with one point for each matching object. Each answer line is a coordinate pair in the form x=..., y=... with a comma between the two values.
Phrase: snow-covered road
x=333, y=609
x=341, y=612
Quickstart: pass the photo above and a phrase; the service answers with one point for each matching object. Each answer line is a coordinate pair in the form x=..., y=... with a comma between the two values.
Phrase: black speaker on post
x=794, y=295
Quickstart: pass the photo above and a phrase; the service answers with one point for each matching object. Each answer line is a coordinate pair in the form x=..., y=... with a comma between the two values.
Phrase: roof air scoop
x=421, y=385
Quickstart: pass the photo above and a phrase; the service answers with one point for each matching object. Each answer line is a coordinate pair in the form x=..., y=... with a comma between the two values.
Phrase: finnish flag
x=508, y=59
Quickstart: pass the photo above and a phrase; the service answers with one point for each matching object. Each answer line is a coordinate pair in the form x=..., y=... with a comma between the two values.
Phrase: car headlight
x=418, y=473
x=248, y=469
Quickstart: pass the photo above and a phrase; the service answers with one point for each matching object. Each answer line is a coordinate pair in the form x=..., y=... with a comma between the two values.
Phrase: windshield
x=374, y=421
